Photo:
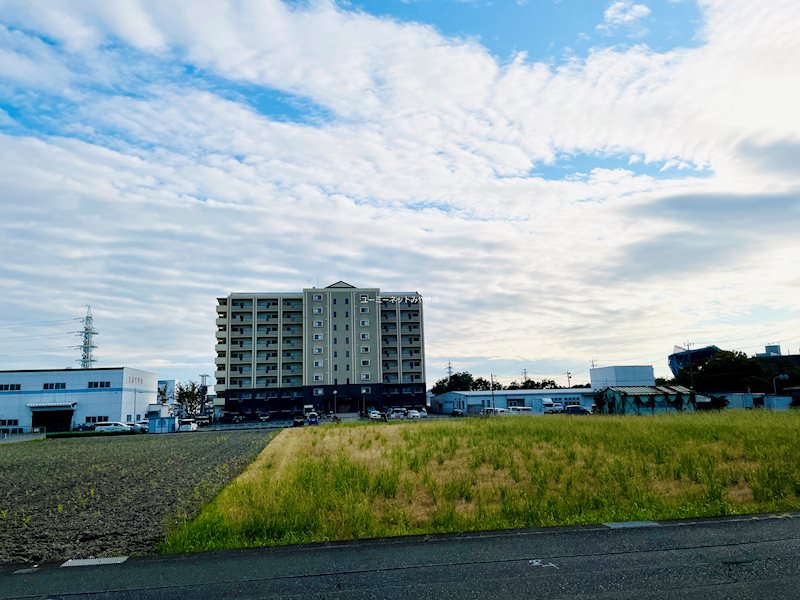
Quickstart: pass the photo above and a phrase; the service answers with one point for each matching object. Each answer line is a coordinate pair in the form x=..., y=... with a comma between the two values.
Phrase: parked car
x=413, y=414
x=140, y=426
x=83, y=427
x=203, y=421
x=397, y=413
x=577, y=410
x=551, y=407
x=457, y=412
x=521, y=410
x=312, y=418
x=187, y=425
x=263, y=417
x=298, y=421
x=112, y=426
x=375, y=415
x=423, y=414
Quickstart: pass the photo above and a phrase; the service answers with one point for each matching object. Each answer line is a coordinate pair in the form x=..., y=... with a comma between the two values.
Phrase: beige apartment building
x=338, y=348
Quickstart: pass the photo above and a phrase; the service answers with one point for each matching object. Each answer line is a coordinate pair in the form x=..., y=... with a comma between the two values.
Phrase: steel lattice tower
x=87, y=335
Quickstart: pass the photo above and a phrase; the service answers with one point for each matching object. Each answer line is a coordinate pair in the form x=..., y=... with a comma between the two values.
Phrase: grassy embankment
x=345, y=482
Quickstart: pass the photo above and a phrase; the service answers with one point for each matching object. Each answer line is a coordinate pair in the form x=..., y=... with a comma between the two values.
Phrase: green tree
x=188, y=397
x=458, y=382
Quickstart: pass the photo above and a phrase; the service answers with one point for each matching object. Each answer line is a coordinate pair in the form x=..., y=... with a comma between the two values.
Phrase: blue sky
x=572, y=180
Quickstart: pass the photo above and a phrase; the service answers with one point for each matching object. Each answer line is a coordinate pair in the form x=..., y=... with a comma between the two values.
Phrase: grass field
x=346, y=482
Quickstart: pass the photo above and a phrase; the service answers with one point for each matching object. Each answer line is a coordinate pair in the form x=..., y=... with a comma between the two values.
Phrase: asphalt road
x=746, y=557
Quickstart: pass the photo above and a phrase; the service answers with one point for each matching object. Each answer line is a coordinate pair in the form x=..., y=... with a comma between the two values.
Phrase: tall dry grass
x=345, y=482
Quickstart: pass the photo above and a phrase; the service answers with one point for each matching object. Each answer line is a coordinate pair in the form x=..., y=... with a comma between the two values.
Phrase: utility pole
x=691, y=371
x=203, y=393
x=524, y=375
x=491, y=378
x=569, y=378
x=449, y=371
x=593, y=362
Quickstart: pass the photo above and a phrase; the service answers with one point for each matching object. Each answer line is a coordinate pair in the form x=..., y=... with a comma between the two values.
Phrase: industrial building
x=61, y=399
x=338, y=348
x=472, y=402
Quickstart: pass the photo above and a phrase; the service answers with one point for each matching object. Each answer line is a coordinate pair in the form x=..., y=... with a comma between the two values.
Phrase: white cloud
x=623, y=13
x=155, y=198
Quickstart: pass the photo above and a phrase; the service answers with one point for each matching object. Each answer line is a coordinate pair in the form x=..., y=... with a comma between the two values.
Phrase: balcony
x=221, y=346
x=291, y=381
x=412, y=378
x=389, y=328
x=221, y=321
x=220, y=387
x=240, y=382
x=390, y=353
x=412, y=365
x=267, y=304
x=242, y=344
x=291, y=344
x=293, y=330
x=292, y=356
x=388, y=340
x=390, y=379
x=220, y=360
x=220, y=374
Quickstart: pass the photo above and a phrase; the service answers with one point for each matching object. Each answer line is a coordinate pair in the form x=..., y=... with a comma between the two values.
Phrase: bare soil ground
x=105, y=496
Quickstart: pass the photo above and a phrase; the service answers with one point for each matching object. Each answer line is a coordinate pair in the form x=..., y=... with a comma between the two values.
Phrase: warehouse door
x=53, y=420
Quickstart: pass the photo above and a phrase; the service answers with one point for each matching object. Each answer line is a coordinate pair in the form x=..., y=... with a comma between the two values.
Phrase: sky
x=564, y=181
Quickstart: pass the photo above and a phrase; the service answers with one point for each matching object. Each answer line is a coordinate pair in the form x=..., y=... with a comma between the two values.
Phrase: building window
x=317, y=323
x=317, y=297
x=364, y=297
x=317, y=350
x=334, y=326
x=335, y=341
x=347, y=340
x=9, y=387
x=365, y=362
x=364, y=336
x=317, y=310
x=318, y=337
x=363, y=310
x=54, y=386
x=335, y=354
x=317, y=363
x=347, y=300
x=318, y=391
x=364, y=322
x=364, y=349
x=365, y=377
x=347, y=353
x=335, y=367
x=334, y=314
x=99, y=384
x=366, y=390
x=334, y=300
x=347, y=326
x=129, y=419
x=319, y=377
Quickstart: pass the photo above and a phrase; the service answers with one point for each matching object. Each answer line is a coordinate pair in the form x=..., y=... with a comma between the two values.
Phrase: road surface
x=743, y=557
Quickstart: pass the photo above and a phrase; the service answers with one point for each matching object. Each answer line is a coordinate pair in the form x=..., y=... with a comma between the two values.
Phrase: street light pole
x=334, y=402
x=782, y=377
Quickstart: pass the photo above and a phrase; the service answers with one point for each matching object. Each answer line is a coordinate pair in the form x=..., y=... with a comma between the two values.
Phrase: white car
x=187, y=425
x=375, y=415
x=423, y=414
x=112, y=426
x=413, y=414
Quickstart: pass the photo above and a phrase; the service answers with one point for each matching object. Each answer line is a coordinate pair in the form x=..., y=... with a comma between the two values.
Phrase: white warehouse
x=61, y=399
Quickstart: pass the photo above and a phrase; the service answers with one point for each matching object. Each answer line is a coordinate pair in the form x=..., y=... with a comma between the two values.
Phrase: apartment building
x=338, y=348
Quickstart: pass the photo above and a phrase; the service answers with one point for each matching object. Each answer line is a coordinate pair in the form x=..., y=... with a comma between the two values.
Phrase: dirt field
x=81, y=498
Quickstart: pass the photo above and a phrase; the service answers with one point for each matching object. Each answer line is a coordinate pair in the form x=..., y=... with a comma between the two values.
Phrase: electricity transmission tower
x=87, y=338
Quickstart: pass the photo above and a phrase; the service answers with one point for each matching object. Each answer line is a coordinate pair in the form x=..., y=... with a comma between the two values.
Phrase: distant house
x=649, y=399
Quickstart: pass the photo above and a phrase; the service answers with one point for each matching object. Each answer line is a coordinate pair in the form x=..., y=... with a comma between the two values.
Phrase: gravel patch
x=107, y=496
